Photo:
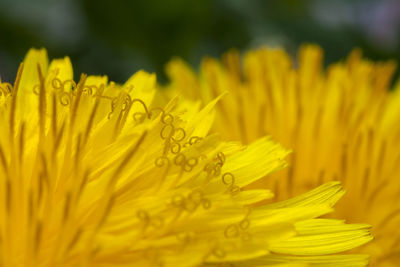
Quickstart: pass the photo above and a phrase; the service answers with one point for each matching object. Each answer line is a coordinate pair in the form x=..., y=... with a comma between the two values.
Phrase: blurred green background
x=119, y=37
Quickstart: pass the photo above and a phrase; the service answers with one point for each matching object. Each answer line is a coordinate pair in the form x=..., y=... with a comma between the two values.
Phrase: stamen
x=3, y=160
x=66, y=206
x=77, y=151
x=318, y=119
x=83, y=184
x=40, y=188
x=321, y=177
x=357, y=146
x=36, y=89
x=167, y=119
x=234, y=189
x=127, y=158
x=343, y=166
x=161, y=161
x=231, y=231
x=30, y=206
x=139, y=117
x=8, y=196
x=14, y=101
x=219, y=253
x=180, y=159
x=143, y=216
x=221, y=158
x=58, y=138
x=54, y=117
x=192, y=162
x=228, y=179
x=388, y=219
x=99, y=92
x=117, y=128
x=195, y=139
x=75, y=239
x=95, y=251
x=241, y=122
x=370, y=140
x=290, y=176
x=365, y=180
x=5, y=89
x=378, y=189
x=90, y=122
x=71, y=91
x=206, y=203
x=126, y=107
x=107, y=211
x=262, y=120
x=137, y=100
x=185, y=237
x=178, y=200
x=196, y=196
x=38, y=236
x=151, y=112
x=21, y=142
x=42, y=102
x=88, y=90
x=78, y=91
x=65, y=98
x=178, y=134
x=157, y=222
x=8, y=88
x=381, y=157
x=175, y=148
x=57, y=84
x=246, y=236
x=244, y=224
x=299, y=119
x=167, y=131
x=190, y=205
x=45, y=169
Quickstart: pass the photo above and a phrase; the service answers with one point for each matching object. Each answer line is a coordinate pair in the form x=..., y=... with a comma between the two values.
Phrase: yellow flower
x=342, y=124
x=92, y=174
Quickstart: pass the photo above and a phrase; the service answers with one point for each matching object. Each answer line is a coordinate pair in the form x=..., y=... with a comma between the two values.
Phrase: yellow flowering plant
x=92, y=173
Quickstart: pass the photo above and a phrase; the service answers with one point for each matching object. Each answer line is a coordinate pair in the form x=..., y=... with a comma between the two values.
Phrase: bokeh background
x=119, y=37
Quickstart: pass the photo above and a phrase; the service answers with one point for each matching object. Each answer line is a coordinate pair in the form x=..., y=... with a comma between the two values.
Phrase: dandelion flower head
x=92, y=174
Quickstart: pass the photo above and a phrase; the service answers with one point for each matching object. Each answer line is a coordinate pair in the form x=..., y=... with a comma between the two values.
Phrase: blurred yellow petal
x=340, y=122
